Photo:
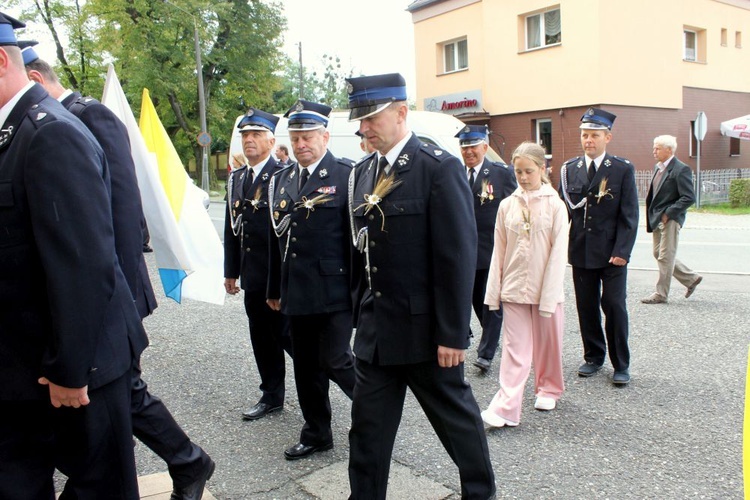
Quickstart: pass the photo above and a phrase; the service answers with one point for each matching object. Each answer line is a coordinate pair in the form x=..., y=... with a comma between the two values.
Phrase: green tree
x=327, y=86
x=151, y=43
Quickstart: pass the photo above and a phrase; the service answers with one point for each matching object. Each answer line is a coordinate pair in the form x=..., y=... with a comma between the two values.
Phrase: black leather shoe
x=260, y=410
x=621, y=378
x=194, y=491
x=588, y=369
x=483, y=364
x=300, y=450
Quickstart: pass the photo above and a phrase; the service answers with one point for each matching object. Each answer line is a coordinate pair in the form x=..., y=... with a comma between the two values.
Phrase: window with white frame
x=734, y=146
x=690, y=45
x=543, y=29
x=455, y=56
x=544, y=134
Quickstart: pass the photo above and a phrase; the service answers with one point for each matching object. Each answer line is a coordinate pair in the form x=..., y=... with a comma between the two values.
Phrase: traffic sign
x=701, y=125
x=204, y=139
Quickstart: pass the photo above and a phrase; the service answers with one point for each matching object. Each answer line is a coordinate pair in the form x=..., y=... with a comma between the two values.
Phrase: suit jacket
x=674, y=196
x=497, y=182
x=66, y=312
x=246, y=253
x=606, y=225
x=127, y=212
x=311, y=259
x=421, y=244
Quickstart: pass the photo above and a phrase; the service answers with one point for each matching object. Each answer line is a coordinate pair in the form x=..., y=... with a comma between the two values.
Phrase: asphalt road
x=675, y=432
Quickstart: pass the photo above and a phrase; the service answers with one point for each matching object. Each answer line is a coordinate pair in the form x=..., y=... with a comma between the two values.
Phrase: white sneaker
x=544, y=403
x=494, y=420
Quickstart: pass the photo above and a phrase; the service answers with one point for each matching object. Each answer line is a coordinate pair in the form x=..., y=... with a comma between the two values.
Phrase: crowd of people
x=397, y=247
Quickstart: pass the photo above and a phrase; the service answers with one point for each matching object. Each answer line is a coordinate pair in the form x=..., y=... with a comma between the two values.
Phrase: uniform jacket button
x=378, y=295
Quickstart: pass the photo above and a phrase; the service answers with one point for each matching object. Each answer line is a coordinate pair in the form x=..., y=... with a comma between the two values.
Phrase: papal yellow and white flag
x=187, y=248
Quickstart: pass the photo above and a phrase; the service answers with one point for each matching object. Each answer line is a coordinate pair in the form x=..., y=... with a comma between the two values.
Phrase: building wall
x=625, y=57
x=635, y=129
x=604, y=55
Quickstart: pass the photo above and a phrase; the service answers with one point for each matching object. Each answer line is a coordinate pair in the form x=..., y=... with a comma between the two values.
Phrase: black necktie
x=248, y=178
x=471, y=177
x=303, y=177
x=382, y=167
x=592, y=171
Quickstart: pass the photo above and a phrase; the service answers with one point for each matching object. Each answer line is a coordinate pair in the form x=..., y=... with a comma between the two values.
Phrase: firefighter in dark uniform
x=309, y=274
x=490, y=183
x=413, y=226
x=69, y=326
x=246, y=243
x=189, y=465
x=600, y=192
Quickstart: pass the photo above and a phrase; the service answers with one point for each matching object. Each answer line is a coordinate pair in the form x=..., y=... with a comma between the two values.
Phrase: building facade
x=530, y=68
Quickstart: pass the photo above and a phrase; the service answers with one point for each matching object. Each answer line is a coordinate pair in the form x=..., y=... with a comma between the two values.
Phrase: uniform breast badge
x=384, y=186
x=487, y=192
x=256, y=200
x=603, y=191
x=311, y=203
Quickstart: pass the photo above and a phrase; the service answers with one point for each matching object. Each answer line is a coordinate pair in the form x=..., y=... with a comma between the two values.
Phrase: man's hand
x=230, y=285
x=66, y=396
x=449, y=357
x=274, y=304
x=664, y=219
x=617, y=261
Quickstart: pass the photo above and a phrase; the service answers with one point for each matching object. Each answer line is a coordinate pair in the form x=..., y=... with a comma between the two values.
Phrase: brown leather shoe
x=654, y=298
x=692, y=287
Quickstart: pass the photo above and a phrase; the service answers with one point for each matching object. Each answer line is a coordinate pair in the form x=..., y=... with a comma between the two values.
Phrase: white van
x=433, y=128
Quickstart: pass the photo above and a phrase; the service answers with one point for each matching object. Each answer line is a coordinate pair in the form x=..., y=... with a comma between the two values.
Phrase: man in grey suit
x=669, y=196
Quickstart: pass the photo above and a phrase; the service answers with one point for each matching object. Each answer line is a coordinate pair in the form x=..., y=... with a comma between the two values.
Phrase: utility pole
x=301, y=73
x=204, y=138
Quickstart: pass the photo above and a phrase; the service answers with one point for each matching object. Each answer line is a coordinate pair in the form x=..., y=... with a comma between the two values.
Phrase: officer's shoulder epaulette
x=435, y=152
x=620, y=158
x=79, y=105
x=40, y=115
x=346, y=162
x=86, y=100
x=282, y=168
x=365, y=159
x=572, y=160
x=499, y=164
